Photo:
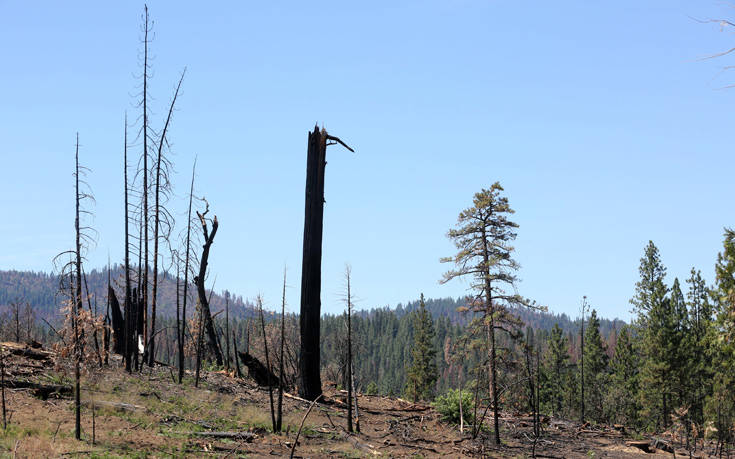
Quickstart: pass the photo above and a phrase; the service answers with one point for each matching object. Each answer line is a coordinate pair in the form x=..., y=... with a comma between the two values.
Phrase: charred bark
x=311, y=267
x=118, y=322
x=259, y=372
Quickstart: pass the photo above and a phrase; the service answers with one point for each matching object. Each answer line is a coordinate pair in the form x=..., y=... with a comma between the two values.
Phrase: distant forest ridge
x=40, y=289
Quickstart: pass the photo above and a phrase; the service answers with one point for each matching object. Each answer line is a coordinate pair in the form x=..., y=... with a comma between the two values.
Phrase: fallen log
x=39, y=390
x=24, y=351
x=246, y=436
x=262, y=375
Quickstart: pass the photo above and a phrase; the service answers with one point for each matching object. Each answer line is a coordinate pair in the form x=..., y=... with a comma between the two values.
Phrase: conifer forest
x=552, y=314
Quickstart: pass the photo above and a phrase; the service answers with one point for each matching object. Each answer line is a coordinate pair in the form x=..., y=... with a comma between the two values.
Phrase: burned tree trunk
x=186, y=277
x=129, y=323
x=262, y=375
x=118, y=322
x=199, y=281
x=311, y=264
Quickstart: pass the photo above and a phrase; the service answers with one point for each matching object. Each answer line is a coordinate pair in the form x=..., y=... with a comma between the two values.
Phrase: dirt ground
x=148, y=414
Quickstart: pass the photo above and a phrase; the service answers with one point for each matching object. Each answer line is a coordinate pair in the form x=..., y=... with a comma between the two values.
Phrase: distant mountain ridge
x=40, y=289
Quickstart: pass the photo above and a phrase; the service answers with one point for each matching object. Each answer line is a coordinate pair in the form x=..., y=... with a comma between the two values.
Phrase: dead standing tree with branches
x=162, y=219
x=70, y=278
x=208, y=323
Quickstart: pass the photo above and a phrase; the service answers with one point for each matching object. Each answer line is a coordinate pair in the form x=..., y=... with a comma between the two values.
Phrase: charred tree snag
x=129, y=323
x=259, y=372
x=186, y=277
x=118, y=323
x=311, y=264
x=144, y=103
x=199, y=282
x=161, y=175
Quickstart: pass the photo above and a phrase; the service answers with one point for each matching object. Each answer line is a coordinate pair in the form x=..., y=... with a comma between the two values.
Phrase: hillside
x=148, y=415
x=40, y=289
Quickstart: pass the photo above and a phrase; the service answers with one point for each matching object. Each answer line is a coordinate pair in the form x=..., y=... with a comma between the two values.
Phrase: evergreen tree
x=422, y=375
x=721, y=404
x=595, y=368
x=624, y=380
x=483, y=238
x=655, y=326
x=700, y=330
x=557, y=362
x=681, y=358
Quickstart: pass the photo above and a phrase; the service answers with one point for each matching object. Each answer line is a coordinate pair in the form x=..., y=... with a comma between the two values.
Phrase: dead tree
x=237, y=361
x=93, y=313
x=2, y=383
x=581, y=368
x=118, y=322
x=267, y=363
x=311, y=268
x=129, y=323
x=260, y=373
x=108, y=325
x=144, y=220
x=186, y=277
x=279, y=416
x=200, y=334
x=78, y=306
x=227, y=329
x=348, y=300
x=199, y=281
x=162, y=186
x=179, y=329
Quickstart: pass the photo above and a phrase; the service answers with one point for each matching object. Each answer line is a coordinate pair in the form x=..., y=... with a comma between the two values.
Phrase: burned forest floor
x=148, y=414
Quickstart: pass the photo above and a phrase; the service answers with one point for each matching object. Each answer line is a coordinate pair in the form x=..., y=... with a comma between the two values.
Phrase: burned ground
x=148, y=415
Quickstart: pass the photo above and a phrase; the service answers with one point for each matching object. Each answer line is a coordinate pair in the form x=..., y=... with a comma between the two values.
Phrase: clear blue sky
x=597, y=117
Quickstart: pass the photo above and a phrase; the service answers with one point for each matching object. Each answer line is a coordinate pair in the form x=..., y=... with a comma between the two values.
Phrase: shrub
x=448, y=406
x=372, y=389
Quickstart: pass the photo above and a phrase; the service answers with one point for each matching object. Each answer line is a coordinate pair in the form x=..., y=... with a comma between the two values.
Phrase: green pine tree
x=681, y=359
x=557, y=367
x=655, y=325
x=720, y=407
x=595, y=369
x=422, y=375
x=623, y=392
x=700, y=332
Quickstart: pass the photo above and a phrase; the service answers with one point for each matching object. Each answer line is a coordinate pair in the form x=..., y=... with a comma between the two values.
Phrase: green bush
x=448, y=406
x=372, y=389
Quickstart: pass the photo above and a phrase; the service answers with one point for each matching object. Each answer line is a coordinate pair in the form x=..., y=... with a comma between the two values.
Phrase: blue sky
x=599, y=119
